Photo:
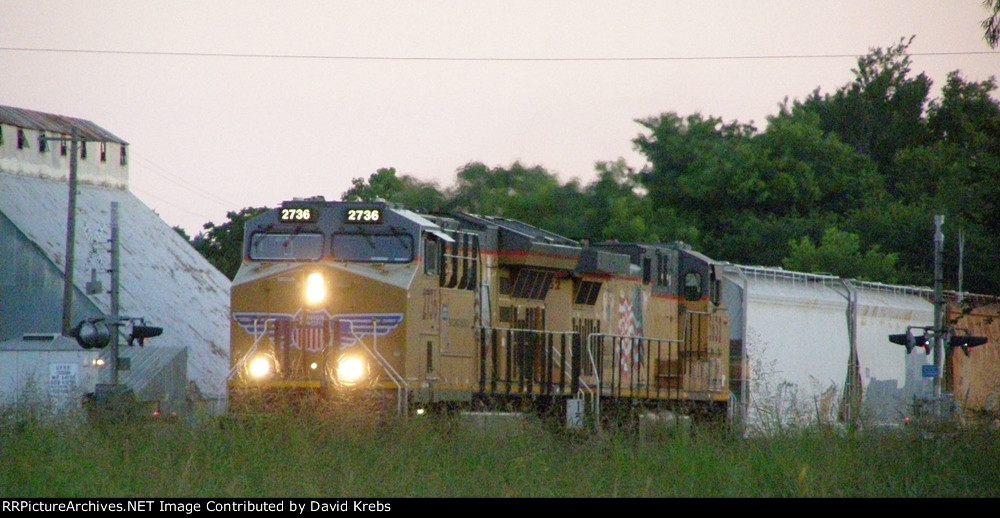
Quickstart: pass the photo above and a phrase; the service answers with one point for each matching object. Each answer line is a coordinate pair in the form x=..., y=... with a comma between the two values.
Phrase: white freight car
x=807, y=341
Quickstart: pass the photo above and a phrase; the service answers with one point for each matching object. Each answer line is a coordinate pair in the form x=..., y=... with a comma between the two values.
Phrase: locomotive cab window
x=372, y=248
x=432, y=255
x=286, y=247
x=692, y=286
x=586, y=292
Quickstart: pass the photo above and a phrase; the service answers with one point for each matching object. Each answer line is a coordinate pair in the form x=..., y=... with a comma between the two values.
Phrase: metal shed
x=46, y=372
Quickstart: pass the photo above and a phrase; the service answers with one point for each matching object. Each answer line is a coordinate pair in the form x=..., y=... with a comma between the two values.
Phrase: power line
x=473, y=59
x=178, y=180
x=148, y=194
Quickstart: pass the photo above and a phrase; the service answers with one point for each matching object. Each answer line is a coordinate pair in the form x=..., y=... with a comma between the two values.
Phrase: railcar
x=460, y=310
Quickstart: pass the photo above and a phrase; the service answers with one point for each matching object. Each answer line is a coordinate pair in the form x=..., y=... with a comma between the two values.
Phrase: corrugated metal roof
x=30, y=119
x=162, y=277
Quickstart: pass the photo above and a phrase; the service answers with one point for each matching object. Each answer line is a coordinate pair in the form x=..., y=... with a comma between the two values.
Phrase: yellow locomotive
x=471, y=311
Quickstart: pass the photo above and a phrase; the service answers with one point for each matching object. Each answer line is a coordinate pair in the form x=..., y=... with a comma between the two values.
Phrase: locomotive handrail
x=597, y=376
x=402, y=389
x=555, y=352
x=256, y=342
x=592, y=344
x=556, y=356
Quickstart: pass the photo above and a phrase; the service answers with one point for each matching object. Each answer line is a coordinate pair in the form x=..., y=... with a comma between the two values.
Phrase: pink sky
x=237, y=103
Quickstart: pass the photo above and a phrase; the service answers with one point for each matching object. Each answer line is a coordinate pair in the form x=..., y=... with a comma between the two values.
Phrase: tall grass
x=308, y=453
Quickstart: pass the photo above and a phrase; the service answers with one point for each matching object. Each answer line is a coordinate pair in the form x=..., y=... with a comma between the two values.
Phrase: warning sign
x=62, y=378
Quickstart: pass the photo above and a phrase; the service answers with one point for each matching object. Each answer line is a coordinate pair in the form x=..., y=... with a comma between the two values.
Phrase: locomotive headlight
x=315, y=288
x=351, y=369
x=260, y=367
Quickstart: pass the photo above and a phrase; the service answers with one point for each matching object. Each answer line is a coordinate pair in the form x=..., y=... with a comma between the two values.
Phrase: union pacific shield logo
x=311, y=330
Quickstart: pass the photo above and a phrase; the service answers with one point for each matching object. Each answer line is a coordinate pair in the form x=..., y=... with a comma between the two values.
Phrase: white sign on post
x=63, y=377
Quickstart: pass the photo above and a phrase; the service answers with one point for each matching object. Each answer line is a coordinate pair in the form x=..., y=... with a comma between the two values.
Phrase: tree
x=839, y=253
x=991, y=25
x=800, y=170
x=405, y=191
x=691, y=161
x=615, y=181
x=222, y=244
x=180, y=231
x=961, y=174
x=881, y=111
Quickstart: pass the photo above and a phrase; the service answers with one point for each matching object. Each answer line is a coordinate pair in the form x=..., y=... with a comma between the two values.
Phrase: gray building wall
x=31, y=287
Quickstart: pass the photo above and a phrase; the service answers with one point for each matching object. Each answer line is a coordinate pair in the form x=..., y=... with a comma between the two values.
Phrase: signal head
x=91, y=334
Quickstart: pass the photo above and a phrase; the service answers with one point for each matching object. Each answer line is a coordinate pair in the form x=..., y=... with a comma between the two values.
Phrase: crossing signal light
x=968, y=342
x=91, y=334
x=910, y=341
x=96, y=333
x=142, y=332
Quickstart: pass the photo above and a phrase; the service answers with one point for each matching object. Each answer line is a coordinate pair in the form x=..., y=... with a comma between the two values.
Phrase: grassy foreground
x=308, y=454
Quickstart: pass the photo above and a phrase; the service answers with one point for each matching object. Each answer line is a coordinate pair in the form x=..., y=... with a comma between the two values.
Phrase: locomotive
x=467, y=311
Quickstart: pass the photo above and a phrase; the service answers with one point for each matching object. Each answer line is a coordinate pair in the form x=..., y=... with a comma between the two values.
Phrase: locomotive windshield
x=286, y=247
x=373, y=248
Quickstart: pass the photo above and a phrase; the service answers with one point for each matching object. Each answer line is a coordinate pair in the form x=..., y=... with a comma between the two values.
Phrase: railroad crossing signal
x=96, y=333
x=911, y=340
x=92, y=333
x=967, y=342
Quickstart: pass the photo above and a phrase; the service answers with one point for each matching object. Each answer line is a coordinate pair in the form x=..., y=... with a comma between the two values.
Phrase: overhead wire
x=163, y=172
x=481, y=58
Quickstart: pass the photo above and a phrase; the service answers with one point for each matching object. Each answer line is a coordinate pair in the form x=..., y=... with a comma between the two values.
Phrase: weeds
x=321, y=453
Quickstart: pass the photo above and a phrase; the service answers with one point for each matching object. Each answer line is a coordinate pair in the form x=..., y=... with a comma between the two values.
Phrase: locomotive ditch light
x=315, y=288
x=351, y=370
x=260, y=367
x=93, y=333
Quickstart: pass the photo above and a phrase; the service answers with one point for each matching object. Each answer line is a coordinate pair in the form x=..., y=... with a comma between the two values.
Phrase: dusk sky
x=239, y=103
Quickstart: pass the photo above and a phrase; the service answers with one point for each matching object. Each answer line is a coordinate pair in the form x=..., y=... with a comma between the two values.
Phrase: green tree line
x=846, y=183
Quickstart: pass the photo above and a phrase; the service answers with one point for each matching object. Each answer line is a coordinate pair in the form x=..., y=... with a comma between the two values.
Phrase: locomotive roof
x=635, y=251
x=520, y=243
x=521, y=228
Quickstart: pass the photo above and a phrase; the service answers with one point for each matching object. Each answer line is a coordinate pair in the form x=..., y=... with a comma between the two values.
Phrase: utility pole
x=939, y=335
x=67, y=308
x=115, y=293
x=939, y=330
